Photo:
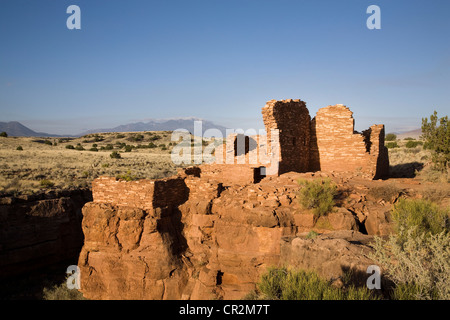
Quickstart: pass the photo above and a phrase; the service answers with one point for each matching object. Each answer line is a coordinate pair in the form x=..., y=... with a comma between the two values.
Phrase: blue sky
x=220, y=60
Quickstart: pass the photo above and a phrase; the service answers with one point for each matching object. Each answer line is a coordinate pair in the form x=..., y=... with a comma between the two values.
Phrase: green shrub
x=156, y=137
x=136, y=137
x=409, y=138
x=317, y=195
x=93, y=149
x=69, y=146
x=312, y=235
x=413, y=144
x=98, y=138
x=3, y=134
x=419, y=265
x=390, y=137
x=291, y=284
x=406, y=291
x=47, y=183
x=48, y=142
x=127, y=176
x=107, y=147
x=391, y=145
x=152, y=145
x=120, y=136
x=128, y=148
x=115, y=155
x=61, y=292
x=79, y=147
x=422, y=215
x=19, y=148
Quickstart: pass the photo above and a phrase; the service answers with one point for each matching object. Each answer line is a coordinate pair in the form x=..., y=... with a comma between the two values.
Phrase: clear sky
x=220, y=60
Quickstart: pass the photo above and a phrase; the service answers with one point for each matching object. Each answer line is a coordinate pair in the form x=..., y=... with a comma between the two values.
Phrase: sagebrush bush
x=47, y=183
x=312, y=235
x=317, y=195
x=292, y=284
x=435, y=194
x=431, y=174
x=418, y=265
x=61, y=292
x=413, y=144
x=127, y=176
x=422, y=215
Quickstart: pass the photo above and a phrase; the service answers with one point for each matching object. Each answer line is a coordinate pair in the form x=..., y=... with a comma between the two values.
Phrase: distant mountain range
x=17, y=129
x=162, y=125
x=415, y=134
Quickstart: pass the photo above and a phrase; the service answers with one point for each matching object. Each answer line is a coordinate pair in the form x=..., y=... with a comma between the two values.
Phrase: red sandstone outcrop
x=39, y=231
x=198, y=238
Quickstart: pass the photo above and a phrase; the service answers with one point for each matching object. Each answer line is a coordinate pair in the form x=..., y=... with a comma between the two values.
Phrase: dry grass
x=388, y=192
x=43, y=165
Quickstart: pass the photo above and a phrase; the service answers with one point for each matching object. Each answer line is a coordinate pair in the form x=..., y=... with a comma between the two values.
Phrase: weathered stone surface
x=214, y=245
x=378, y=221
x=342, y=219
x=40, y=231
x=331, y=254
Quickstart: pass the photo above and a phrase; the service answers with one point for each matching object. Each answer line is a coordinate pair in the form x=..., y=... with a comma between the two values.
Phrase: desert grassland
x=47, y=163
x=409, y=162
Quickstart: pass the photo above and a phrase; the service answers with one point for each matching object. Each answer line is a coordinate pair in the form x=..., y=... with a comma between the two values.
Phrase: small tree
x=3, y=134
x=437, y=139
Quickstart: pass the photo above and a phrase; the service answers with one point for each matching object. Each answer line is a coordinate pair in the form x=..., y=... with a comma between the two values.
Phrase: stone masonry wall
x=379, y=158
x=335, y=146
x=143, y=194
x=328, y=142
x=291, y=118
